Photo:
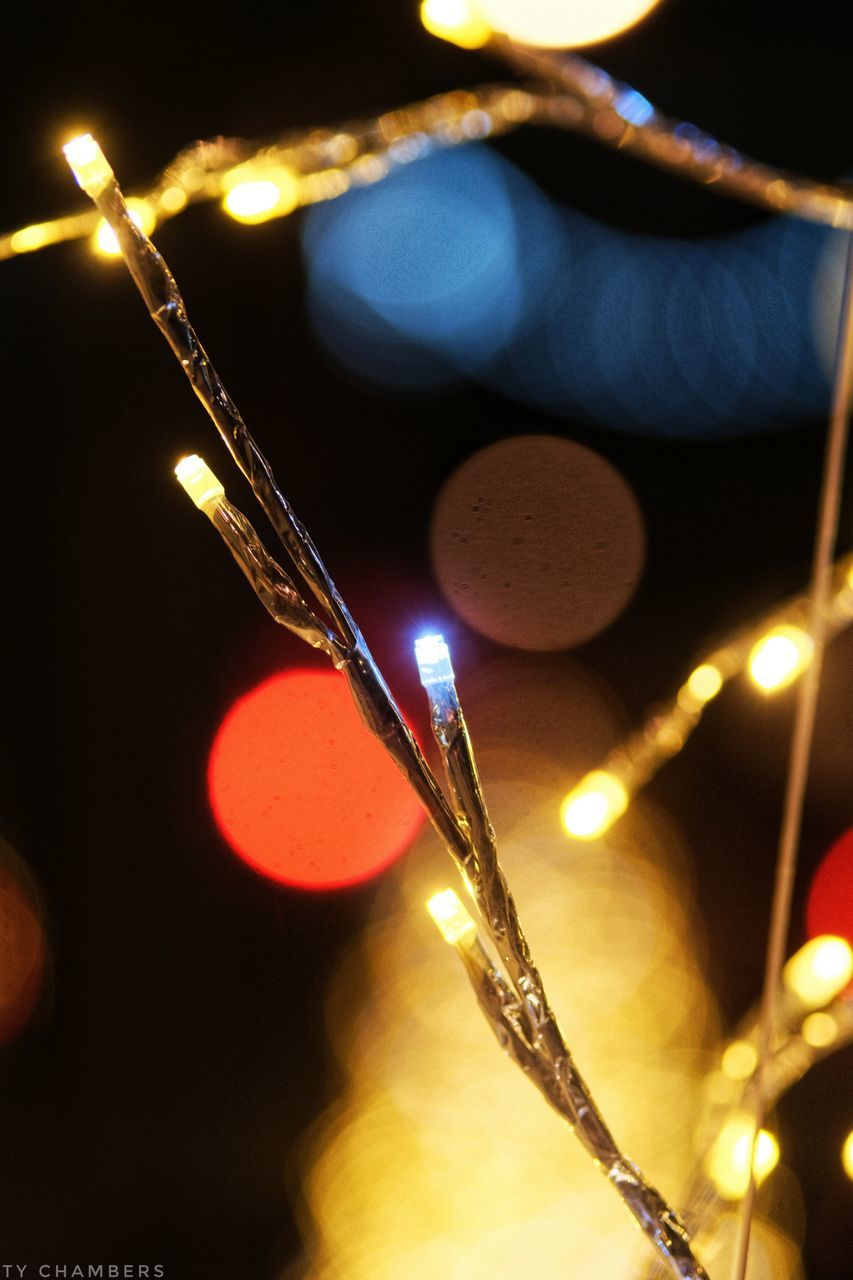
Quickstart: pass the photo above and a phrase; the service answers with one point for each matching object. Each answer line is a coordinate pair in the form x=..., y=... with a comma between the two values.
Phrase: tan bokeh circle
x=537, y=542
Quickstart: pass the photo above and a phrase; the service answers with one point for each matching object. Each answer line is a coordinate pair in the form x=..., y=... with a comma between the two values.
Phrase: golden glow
x=819, y=1030
x=451, y=917
x=255, y=192
x=557, y=24
x=141, y=212
x=779, y=657
x=459, y=21
x=705, y=682
x=819, y=970
x=88, y=164
x=199, y=482
x=727, y=1163
x=594, y=805
x=172, y=200
x=847, y=1155
x=31, y=238
x=739, y=1060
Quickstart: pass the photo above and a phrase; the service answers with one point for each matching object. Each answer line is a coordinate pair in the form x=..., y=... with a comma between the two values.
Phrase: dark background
x=152, y=1108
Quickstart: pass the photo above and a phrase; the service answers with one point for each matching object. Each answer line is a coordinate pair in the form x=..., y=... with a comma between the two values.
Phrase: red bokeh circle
x=22, y=955
x=302, y=791
x=830, y=902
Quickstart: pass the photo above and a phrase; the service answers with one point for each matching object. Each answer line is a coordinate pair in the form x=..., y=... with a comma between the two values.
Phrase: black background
x=152, y=1110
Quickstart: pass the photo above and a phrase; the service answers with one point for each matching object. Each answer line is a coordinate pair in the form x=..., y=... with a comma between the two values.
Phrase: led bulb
x=819, y=1030
x=199, y=482
x=594, y=805
x=449, y=914
x=141, y=213
x=88, y=164
x=727, y=1163
x=433, y=658
x=458, y=21
x=819, y=970
x=705, y=682
x=739, y=1060
x=255, y=192
x=779, y=657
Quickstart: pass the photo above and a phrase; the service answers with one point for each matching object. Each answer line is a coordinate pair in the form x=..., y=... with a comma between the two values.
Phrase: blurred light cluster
x=461, y=266
x=773, y=652
x=440, y=1159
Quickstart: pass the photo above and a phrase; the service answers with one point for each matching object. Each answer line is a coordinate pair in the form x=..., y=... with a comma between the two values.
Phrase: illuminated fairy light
x=200, y=483
x=557, y=25
x=779, y=657
x=847, y=1155
x=819, y=970
x=88, y=164
x=727, y=1163
x=705, y=682
x=775, y=652
x=819, y=1030
x=454, y=922
x=594, y=805
x=433, y=658
x=257, y=193
x=105, y=241
x=739, y=1060
x=460, y=22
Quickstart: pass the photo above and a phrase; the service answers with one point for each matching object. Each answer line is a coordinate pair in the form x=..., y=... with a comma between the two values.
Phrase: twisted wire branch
x=472, y=855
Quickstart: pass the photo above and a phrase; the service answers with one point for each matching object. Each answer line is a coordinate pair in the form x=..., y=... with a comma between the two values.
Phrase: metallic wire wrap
x=592, y=102
x=659, y=1222
x=524, y=1023
x=565, y=92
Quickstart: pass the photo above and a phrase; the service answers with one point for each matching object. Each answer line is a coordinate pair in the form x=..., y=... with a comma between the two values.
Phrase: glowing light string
x=775, y=651
x=829, y=512
x=813, y=1022
x=592, y=102
x=467, y=835
x=256, y=183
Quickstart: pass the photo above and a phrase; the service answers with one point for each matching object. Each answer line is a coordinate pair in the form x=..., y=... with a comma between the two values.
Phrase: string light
x=199, y=482
x=458, y=21
x=594, y=805
x=142, y=214
x=455, y=923
x=255, y=193
x=727, y=1162
x=775, y=651
x=819, y=1029
x=779, y=657
x=819, y=970
x=739, y=1060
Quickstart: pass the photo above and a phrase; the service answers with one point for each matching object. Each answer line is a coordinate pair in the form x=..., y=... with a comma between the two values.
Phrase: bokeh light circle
x=302, y=791
x=556, y=24
x=22, y=956
x=829, y=909
x=537, y=542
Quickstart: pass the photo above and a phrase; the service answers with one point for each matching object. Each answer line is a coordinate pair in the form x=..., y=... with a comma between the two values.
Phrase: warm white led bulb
x=88, y=164
x=594, y=805
x=199, y=482
x=451, y=917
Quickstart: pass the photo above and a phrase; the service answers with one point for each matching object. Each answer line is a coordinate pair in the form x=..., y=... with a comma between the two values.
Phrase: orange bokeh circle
x=301, y=790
